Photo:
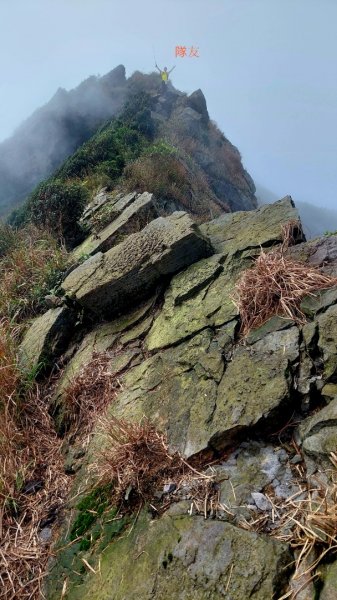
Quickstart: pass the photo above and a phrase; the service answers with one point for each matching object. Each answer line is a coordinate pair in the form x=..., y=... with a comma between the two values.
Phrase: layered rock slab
x=242, y=230
x=108, y=283
x=129, y=214
x=197, y=298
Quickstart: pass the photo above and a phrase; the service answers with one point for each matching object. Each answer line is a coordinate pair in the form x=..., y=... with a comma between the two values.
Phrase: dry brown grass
x=89, y=393
x=27, y=270
x=169, y=176
x=276, y=285
x=136, y=458
x=32, y=482
x=33, y=488
x=9, y=374
x=309, y=525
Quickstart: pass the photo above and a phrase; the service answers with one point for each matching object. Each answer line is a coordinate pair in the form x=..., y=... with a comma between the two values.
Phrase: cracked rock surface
x=159, y=305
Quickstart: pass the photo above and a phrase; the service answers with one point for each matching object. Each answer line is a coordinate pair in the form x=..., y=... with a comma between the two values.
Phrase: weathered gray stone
x=326, y=417
x=329, y=391
x=327, y=342
x=247, y=471
x=273, y=324
x=255, y=384
x=320, y=252
x=107, y=283
x=130, y=215
x=238, y=231
x=261, y=501
x=197, y=101
x=184, y=558
x=321, y=444
x=46, y=338
x=311, y=305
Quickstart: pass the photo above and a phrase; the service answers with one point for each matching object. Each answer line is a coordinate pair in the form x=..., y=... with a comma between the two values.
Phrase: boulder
x=108, y=283
x=180, y=557
x=46, y=338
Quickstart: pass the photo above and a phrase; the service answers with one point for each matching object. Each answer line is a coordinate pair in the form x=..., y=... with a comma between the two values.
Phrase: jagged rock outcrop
x=129, y=214
x=171, y=341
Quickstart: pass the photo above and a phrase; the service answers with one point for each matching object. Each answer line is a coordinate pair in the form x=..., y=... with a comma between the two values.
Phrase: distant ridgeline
x=112, y=131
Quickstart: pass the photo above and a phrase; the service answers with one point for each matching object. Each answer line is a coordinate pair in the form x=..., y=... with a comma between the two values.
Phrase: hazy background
x=267, y=68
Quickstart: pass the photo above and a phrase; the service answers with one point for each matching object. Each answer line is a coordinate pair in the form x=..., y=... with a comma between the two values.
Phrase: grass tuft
x=27, y=272
x=276, y=285
x=88, y=394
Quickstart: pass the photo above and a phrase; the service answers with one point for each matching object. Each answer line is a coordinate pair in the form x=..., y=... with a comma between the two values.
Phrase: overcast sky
x=267, y=67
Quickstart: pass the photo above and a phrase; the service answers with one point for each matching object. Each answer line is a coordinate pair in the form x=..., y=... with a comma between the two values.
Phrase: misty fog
x=53, y=132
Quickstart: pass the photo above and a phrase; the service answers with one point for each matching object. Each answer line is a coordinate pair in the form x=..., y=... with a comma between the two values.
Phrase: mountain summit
x=54, y=132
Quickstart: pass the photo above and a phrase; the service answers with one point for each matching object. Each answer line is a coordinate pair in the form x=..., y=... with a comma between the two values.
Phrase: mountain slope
x=54, y=132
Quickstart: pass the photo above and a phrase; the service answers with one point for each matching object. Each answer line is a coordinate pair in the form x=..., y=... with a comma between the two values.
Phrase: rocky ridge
x=72, y=118
x=157, y=304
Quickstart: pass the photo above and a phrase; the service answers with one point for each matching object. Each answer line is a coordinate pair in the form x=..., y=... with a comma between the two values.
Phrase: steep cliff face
x=54, y=132
x=150, y=313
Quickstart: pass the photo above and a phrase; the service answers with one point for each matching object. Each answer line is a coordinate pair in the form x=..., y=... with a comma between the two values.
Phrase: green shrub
x=161, y=147
x=7, y=238
x=57, y=207
x=106, y=152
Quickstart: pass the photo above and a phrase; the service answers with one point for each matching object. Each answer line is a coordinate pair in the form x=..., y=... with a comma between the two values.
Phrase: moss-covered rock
x=327, y=342
x=46, y=338
x=255, y=385
x=330, y=583
x=198, y=400
x=187, y=558
x=108, y=283
x=238, y=231
x=197, y=298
